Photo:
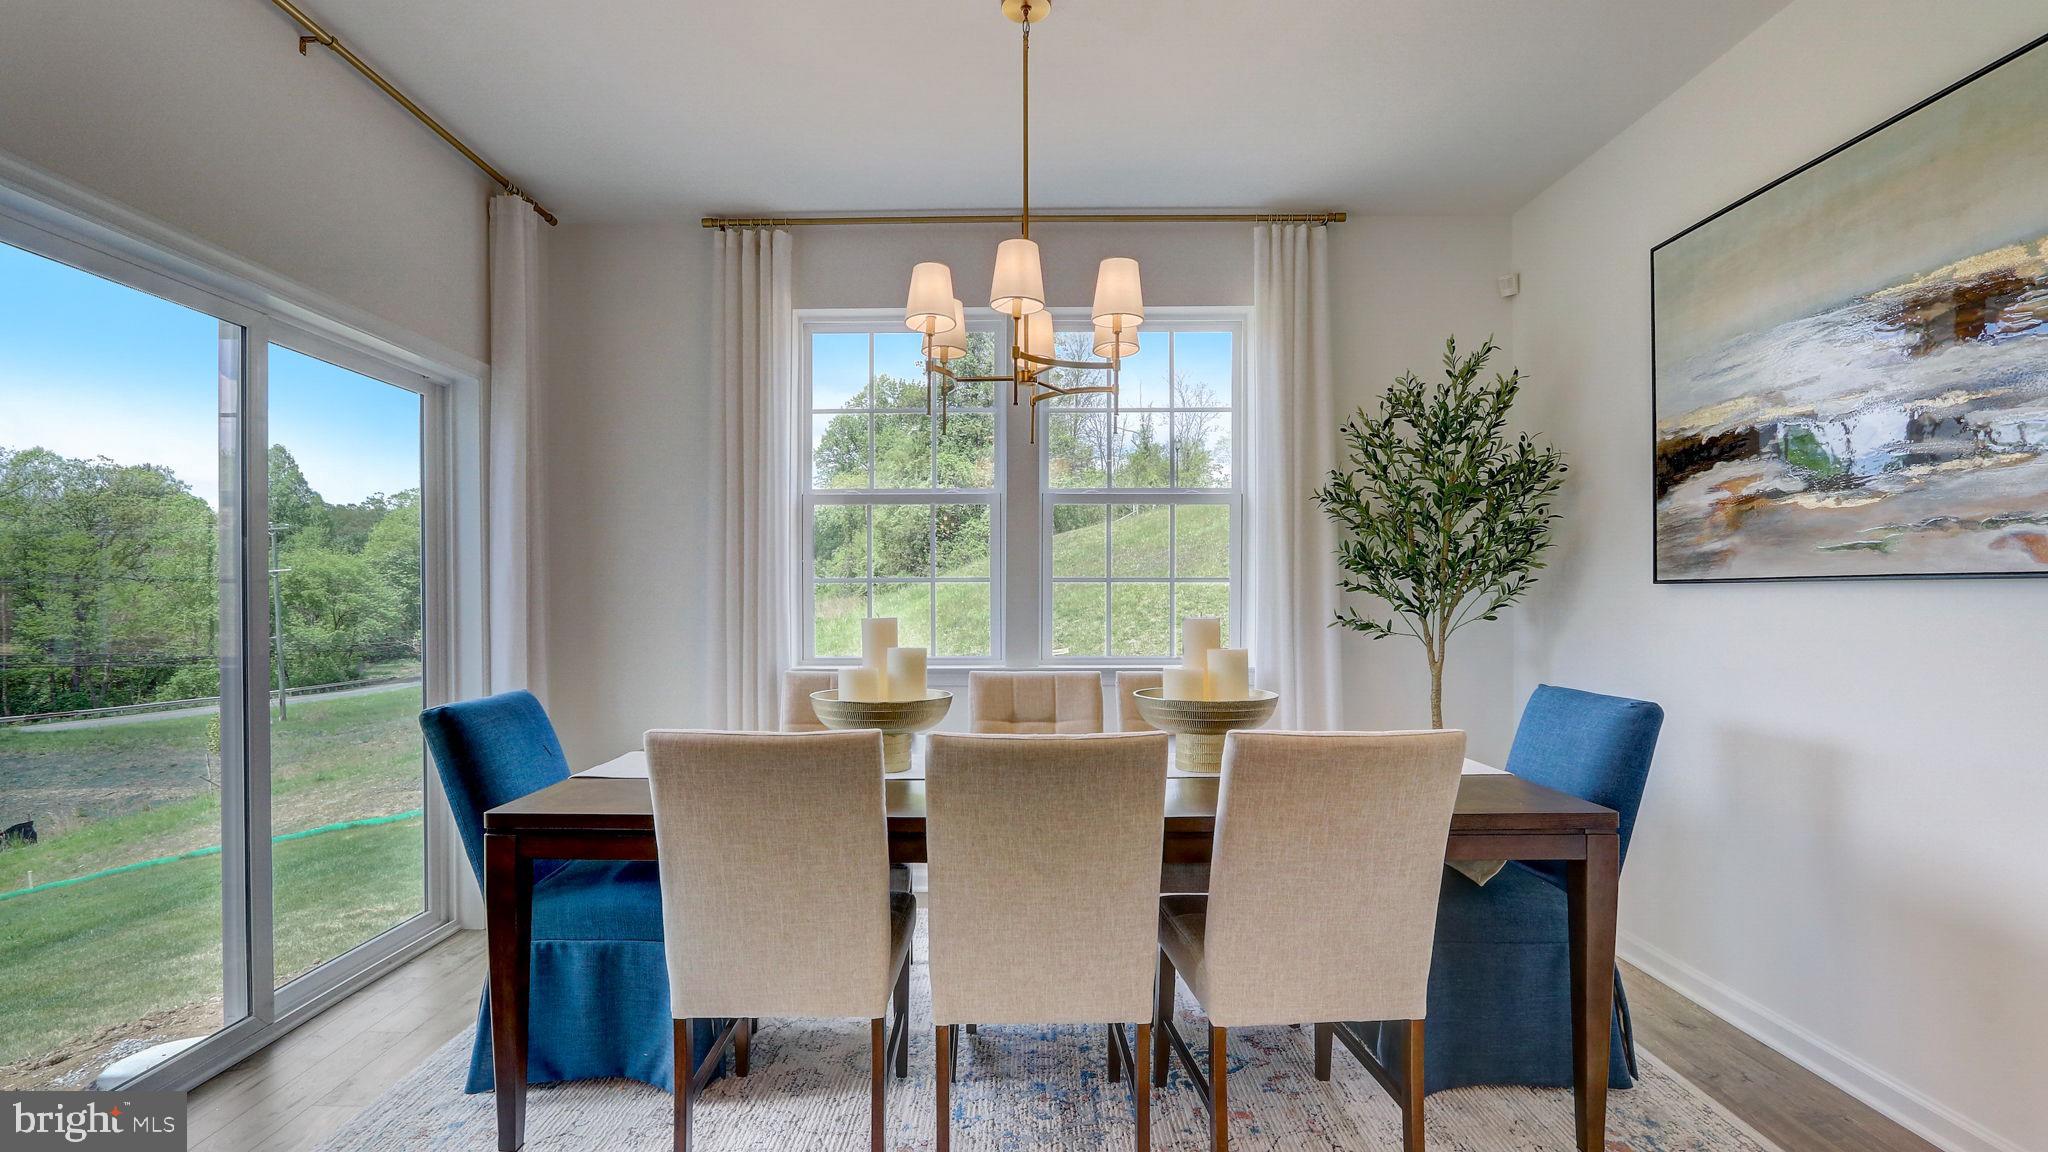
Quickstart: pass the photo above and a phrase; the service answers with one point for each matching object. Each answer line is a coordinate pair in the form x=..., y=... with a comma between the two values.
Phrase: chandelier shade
x=1019, y=286
x=1035, y=334
x=930, y=307
x=1116, y=344
x=1119, y=299
x=950, y=344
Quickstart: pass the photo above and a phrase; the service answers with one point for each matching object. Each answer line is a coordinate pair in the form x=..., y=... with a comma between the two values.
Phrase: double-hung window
x=1085, y=544
x=902, y=503
x=1142, y=506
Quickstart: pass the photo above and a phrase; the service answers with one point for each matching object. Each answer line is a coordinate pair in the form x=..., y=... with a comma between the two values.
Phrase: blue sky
x=92, y=368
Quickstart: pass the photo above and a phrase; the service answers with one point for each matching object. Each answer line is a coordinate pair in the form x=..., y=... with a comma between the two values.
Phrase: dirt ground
x=75, y=1065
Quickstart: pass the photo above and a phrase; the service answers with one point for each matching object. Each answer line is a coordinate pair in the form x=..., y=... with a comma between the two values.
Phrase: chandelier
x=1018, y=291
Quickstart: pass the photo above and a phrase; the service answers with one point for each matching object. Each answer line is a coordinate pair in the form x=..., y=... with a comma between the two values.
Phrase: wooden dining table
x=1498, y=817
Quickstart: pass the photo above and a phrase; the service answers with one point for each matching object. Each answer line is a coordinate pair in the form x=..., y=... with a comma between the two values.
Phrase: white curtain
x=512, y=517
x=763, y=551
x=1290, y=587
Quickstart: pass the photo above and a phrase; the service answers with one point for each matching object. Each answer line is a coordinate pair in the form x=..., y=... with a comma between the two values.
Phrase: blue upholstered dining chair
x=599, y=1001
x=1500, y=982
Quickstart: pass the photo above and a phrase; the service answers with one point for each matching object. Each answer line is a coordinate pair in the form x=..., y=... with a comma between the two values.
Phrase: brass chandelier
x=1018, y=292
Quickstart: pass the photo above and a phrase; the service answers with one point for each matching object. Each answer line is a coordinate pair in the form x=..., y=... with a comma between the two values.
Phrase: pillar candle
x=906, y=674
x=1183, y=684
x=862, y=683
x=877, y=636
x=1199, y=634
x=1230, y=674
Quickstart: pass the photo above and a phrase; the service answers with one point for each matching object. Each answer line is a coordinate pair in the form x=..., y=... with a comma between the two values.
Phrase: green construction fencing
x=209, y=850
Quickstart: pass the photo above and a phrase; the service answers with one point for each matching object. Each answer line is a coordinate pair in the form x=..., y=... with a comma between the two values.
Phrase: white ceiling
x=646, y=109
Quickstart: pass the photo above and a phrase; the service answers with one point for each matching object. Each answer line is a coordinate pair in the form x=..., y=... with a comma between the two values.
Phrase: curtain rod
x=321, y=36
x=1037, y=217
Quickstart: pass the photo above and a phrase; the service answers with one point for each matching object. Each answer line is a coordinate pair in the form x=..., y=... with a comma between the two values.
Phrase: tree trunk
x=1436, y=690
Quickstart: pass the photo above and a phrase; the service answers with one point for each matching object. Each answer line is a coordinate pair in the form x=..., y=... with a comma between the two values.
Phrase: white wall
x=1840, y=846
x=632, y=484
x=633, y=500
x=1399, y=286
x=201, y=115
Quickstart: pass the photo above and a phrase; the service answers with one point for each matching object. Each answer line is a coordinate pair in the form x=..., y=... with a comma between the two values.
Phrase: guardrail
x=198, y=701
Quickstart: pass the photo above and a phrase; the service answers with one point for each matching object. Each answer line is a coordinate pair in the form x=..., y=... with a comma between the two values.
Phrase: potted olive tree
x=1442, y=515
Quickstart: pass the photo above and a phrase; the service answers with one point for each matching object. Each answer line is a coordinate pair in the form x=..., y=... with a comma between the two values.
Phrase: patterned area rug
x=1026, y=1088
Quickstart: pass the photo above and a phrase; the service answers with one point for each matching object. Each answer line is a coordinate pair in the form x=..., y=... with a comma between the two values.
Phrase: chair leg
x=943, y=1035
x=1141, y=1085
x=1116, y=1064
x=1219, y=1088
x=903, y=1020
x=1325, y=1033
x=742, y=1034
x=1412, y=1081
x=686, y=1092
x=1162, y=1017
x=878, y=1073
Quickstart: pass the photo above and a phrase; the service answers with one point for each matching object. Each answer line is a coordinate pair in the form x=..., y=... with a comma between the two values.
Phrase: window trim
x=50, y=217
x=1020, y=562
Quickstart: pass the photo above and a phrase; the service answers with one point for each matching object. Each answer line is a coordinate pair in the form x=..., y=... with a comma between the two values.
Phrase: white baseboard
x=1929, y=1119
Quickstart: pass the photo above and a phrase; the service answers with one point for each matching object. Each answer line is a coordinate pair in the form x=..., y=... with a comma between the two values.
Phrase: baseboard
x=1926, y=1118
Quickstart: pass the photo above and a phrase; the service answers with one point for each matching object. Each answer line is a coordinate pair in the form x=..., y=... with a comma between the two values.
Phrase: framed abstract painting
x=1850, y=365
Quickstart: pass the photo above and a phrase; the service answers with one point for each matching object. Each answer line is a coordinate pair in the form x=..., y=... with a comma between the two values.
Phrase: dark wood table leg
x=508, y=904
x=1592, y=887
x=903, y=1020
x=1162, y=1022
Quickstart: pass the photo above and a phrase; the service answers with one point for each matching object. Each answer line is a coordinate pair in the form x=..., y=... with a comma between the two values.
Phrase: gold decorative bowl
x=1198, y=726
x=897, y=720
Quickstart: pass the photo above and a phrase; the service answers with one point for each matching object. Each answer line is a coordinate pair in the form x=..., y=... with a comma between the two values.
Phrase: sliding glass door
x=348, y=855
x=216, y=622
x=118, y=465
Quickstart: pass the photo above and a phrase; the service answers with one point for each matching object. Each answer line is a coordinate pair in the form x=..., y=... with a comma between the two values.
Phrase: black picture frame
x=1656, y=574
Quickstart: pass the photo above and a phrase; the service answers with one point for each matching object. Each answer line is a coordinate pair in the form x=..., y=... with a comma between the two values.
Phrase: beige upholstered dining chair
x=773, y=856
x=1127, y=718
x=1033, y=703
x=1324, y=872
x=1043, y=898
x=797, y=714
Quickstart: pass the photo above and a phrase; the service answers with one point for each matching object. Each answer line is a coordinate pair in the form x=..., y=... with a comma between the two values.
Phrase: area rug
x=1026, y=1089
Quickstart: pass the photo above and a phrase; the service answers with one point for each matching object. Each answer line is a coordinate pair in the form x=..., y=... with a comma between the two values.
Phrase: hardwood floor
x=295, y=1093
x=291, y=1095
x=1795, y=1108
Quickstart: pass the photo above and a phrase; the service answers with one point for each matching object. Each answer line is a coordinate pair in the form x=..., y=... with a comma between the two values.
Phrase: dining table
x=605, y=813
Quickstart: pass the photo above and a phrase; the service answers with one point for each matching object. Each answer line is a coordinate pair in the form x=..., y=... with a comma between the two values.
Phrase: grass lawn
x=158, y=929
x=334, y=760
x=78, y=959
x=1142, y=623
